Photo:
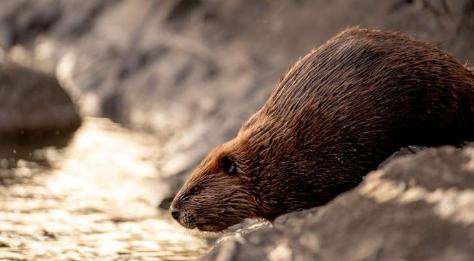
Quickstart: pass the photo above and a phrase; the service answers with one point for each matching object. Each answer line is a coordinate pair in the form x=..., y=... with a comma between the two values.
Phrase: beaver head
x=335, y=115
x=254, y=175
x=219, y=192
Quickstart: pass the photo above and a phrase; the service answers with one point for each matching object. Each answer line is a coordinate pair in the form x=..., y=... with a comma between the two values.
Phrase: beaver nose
x=174, y=213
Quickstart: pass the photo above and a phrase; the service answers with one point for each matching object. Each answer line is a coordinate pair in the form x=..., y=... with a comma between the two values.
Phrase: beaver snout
x=174, y=213
x=184, y=216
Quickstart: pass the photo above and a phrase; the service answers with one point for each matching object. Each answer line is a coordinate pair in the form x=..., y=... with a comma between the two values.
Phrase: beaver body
x=333, y=117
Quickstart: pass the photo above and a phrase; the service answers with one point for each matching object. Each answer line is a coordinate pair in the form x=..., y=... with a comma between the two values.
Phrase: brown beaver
x=333, y=117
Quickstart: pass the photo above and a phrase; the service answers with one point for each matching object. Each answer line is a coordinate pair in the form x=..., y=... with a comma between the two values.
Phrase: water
x=95, y=199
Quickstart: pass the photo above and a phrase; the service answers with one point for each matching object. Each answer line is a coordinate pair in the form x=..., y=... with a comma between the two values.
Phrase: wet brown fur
x=334, y=116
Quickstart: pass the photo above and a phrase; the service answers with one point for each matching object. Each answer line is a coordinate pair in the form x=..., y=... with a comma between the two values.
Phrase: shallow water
x=92, y=200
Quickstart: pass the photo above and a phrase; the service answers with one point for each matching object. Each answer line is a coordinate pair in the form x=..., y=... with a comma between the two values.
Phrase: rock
x=418, y=207
x=22, y=20
x=34, y=107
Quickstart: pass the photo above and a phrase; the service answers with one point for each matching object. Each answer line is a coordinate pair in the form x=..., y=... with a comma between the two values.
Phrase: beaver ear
x=227, y=164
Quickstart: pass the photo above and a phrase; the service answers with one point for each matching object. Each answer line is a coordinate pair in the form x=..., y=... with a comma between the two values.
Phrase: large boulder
x=418, y=207
x=34, y=108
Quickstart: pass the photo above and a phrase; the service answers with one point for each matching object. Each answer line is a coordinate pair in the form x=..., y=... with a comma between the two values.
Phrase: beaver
x=335, y=115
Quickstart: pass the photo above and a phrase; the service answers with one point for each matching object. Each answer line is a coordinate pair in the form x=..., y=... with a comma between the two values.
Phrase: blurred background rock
x=191, y=71
x=34, y=107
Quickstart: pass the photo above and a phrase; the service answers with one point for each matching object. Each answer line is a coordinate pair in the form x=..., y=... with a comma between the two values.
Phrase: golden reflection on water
x=96, y=201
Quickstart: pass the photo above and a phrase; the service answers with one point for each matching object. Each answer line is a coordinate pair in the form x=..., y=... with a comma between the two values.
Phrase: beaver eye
x=228, y=165
x=194, y=190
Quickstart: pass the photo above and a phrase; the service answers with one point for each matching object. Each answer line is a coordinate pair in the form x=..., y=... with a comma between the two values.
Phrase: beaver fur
x=334, y=116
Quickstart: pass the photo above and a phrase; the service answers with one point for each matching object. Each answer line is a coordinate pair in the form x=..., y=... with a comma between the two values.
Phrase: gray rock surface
x=418, y=207
x=33, y=107
x=192, y=71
